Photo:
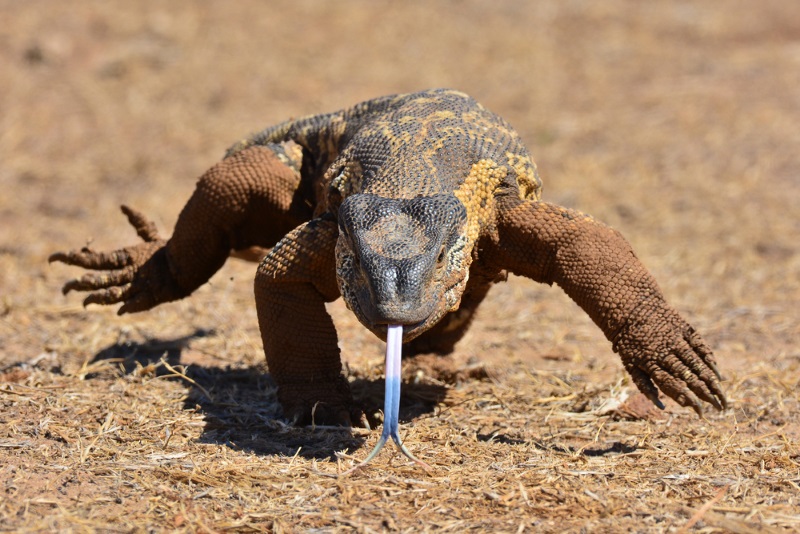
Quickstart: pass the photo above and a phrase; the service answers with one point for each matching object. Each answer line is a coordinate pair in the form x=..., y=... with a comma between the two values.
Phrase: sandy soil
x=677, y=123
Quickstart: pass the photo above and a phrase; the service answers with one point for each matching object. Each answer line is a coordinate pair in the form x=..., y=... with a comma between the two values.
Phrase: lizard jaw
x=408, y=332
x=413, y=330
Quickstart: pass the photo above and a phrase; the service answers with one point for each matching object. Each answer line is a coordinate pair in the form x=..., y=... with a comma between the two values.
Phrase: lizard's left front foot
x=327, y=404
x=659, y=349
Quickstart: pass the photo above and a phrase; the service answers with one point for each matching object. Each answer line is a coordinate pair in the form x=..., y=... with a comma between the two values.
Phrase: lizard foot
x=138, y=276
x=315, y=404
x=661, y=351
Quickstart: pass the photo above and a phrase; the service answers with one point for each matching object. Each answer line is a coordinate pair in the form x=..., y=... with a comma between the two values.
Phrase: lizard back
x=407, y=146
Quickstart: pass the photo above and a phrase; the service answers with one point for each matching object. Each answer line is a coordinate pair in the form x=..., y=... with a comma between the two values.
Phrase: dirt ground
x=675, y=122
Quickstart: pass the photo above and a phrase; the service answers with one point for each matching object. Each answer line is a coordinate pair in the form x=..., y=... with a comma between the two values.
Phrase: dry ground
x=676, y=122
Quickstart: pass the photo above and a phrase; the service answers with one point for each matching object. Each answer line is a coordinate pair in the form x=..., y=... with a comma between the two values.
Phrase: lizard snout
x=396, y=292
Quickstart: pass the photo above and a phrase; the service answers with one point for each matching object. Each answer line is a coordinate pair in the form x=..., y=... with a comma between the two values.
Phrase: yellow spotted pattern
x=477, y=195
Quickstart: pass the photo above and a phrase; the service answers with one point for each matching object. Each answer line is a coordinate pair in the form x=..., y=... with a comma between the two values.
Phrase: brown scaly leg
x=292, y=285
x=598, y=269
x=250, y=199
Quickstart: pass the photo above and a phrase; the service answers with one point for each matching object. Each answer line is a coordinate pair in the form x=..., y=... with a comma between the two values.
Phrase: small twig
x=102, y=430
x=178, y=374
x=702, y=510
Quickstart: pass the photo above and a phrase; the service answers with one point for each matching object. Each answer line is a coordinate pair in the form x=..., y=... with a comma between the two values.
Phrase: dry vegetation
x=675, y=122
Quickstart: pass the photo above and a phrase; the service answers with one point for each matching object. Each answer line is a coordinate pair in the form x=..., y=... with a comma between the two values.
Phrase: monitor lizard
x=410, y=207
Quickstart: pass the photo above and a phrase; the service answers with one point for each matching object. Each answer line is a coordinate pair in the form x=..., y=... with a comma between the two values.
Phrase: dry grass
x=676, y=123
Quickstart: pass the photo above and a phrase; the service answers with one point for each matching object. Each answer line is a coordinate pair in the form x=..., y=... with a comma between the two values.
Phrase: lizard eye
x=354, y=252
x=440, y=259
x=350, y=245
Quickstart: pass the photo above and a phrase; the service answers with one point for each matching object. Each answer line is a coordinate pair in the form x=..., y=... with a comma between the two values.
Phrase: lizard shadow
x=605, y=449
x=240, y=406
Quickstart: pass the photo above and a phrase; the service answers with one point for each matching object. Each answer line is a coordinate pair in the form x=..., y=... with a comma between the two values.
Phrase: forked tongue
x=391, y=402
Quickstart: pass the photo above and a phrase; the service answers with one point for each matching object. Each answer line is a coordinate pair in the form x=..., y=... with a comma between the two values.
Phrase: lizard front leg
x=292, y=285
x=598, y=269
x=250, y=199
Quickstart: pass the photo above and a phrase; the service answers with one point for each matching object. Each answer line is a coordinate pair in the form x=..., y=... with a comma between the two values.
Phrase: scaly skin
x=410, y=207
x=598, y=269
x=250, y=200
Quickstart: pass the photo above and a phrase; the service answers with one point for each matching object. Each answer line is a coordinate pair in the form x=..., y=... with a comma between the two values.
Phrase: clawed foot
x=662, y=352
x=305, y=404
x=138, y=276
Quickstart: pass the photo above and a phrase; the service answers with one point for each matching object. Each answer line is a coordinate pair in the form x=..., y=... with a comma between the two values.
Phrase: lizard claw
x=662, y=352
x=145, y=228
x=111, y=295
x=307, y=403
x=89, y=259
x=138, y=275
x=92, y=281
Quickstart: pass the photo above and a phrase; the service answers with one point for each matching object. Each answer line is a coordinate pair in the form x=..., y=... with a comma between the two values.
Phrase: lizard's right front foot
x=319, y=403
x=138, y=276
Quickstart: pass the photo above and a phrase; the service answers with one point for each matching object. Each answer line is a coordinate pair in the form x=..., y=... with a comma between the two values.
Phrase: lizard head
x=402, y=261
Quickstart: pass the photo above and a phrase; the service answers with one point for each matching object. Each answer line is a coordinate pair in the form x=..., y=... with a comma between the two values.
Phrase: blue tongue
x=391, y=402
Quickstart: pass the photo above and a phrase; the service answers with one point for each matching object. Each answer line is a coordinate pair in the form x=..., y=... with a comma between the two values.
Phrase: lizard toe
x=90, y=259
x=111, y=295
x=320, y=413
x=675, y=388
x=645, y=385
x=94, y=281
x=145, y=228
